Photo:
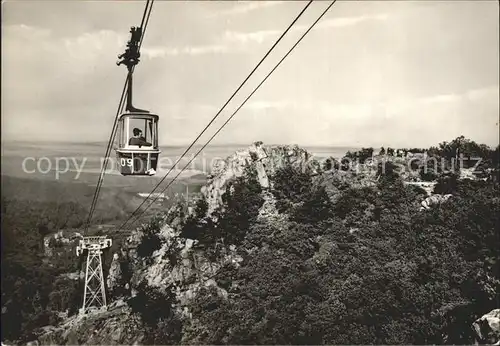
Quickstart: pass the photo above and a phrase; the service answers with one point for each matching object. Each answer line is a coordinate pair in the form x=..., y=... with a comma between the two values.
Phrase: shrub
x=150, y=241
x=446, y=184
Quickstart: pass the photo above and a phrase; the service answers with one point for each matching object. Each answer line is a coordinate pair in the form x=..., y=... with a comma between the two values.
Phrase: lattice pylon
x=94, y=294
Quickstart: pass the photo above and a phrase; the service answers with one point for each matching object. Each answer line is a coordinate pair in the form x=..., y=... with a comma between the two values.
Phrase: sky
x=371, y=73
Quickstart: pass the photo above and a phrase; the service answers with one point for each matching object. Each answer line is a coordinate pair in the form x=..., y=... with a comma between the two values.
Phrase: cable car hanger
x=130, y=59
x=144, y=23
x=137, y=151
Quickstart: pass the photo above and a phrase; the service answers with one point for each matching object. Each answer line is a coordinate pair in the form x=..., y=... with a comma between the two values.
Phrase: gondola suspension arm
x=130, y=59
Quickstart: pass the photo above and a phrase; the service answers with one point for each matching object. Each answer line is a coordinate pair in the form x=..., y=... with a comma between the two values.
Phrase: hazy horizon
x=103, y=143
x=370, y=74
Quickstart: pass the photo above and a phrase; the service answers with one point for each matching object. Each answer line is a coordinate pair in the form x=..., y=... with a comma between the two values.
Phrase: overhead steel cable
x=144, y=23
x=220, y=111
x=144, y=14
x=236, y=111
x=106, y=156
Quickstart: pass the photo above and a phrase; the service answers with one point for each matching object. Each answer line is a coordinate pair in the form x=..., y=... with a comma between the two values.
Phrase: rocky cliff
x=177, y=264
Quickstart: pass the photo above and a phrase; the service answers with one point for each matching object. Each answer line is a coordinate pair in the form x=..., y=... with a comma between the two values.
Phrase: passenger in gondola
x=138, y=139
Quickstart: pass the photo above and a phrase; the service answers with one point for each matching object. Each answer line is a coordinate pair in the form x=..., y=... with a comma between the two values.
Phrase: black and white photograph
x=223, y=172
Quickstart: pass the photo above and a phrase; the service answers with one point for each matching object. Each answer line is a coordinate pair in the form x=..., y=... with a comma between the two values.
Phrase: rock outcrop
x=434, y=200
x=117, y=326
x=487, y=328
x=265, y=159
x=115, y=274
x=176, y=265
x=268, y=211
x=427, y=186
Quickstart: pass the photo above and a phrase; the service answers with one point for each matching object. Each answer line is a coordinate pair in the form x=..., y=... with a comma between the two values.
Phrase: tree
x=269, y=308
x=387, y=170
x=351, y=155
x=316, y=206
x=27, y=280
x=330, y=164
x=157, y=314
x=290, y=185
x=241, y=204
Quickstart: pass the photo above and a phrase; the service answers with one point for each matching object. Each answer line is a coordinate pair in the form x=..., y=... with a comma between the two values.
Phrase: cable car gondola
x=137, y=151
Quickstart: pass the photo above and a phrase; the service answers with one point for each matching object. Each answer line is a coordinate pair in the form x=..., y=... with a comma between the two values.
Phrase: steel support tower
x=94, y=294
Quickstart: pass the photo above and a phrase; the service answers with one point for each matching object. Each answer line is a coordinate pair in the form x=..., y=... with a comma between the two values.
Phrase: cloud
x=262, y=105
x=91, y=45
x=23, y=39
x=349, y=21
x=22, y=30
x=182, y=112
x=161, y=52
x=420, y=121
x=57, y=74
x=245, y=7
x=376, y=109
x=441, y=98
x=476, y=94
x=261, y=36
x=244, y=37
x=472, y=94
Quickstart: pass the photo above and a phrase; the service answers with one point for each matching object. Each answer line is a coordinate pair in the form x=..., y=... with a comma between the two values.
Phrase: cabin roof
x=138, y=114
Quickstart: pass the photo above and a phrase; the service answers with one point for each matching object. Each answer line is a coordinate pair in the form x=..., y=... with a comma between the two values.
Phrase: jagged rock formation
x=265, y=159
x=176, y=266
x=487, y=328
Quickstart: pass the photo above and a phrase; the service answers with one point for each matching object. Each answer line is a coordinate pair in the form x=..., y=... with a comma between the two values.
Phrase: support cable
x=219, y=112
x=236, y=111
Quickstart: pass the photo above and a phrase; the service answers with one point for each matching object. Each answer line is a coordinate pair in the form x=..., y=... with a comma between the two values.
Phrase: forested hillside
x=304, y=252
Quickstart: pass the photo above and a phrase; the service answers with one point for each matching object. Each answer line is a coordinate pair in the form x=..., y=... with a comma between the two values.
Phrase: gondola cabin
x=137, y=151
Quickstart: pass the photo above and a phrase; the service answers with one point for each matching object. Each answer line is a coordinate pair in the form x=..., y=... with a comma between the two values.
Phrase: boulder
x=487, y=328
x=434, y=200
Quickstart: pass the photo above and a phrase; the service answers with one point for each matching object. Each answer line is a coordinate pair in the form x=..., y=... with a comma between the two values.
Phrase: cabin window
x=145, y=125
x=148, y=128
x=120, y=136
